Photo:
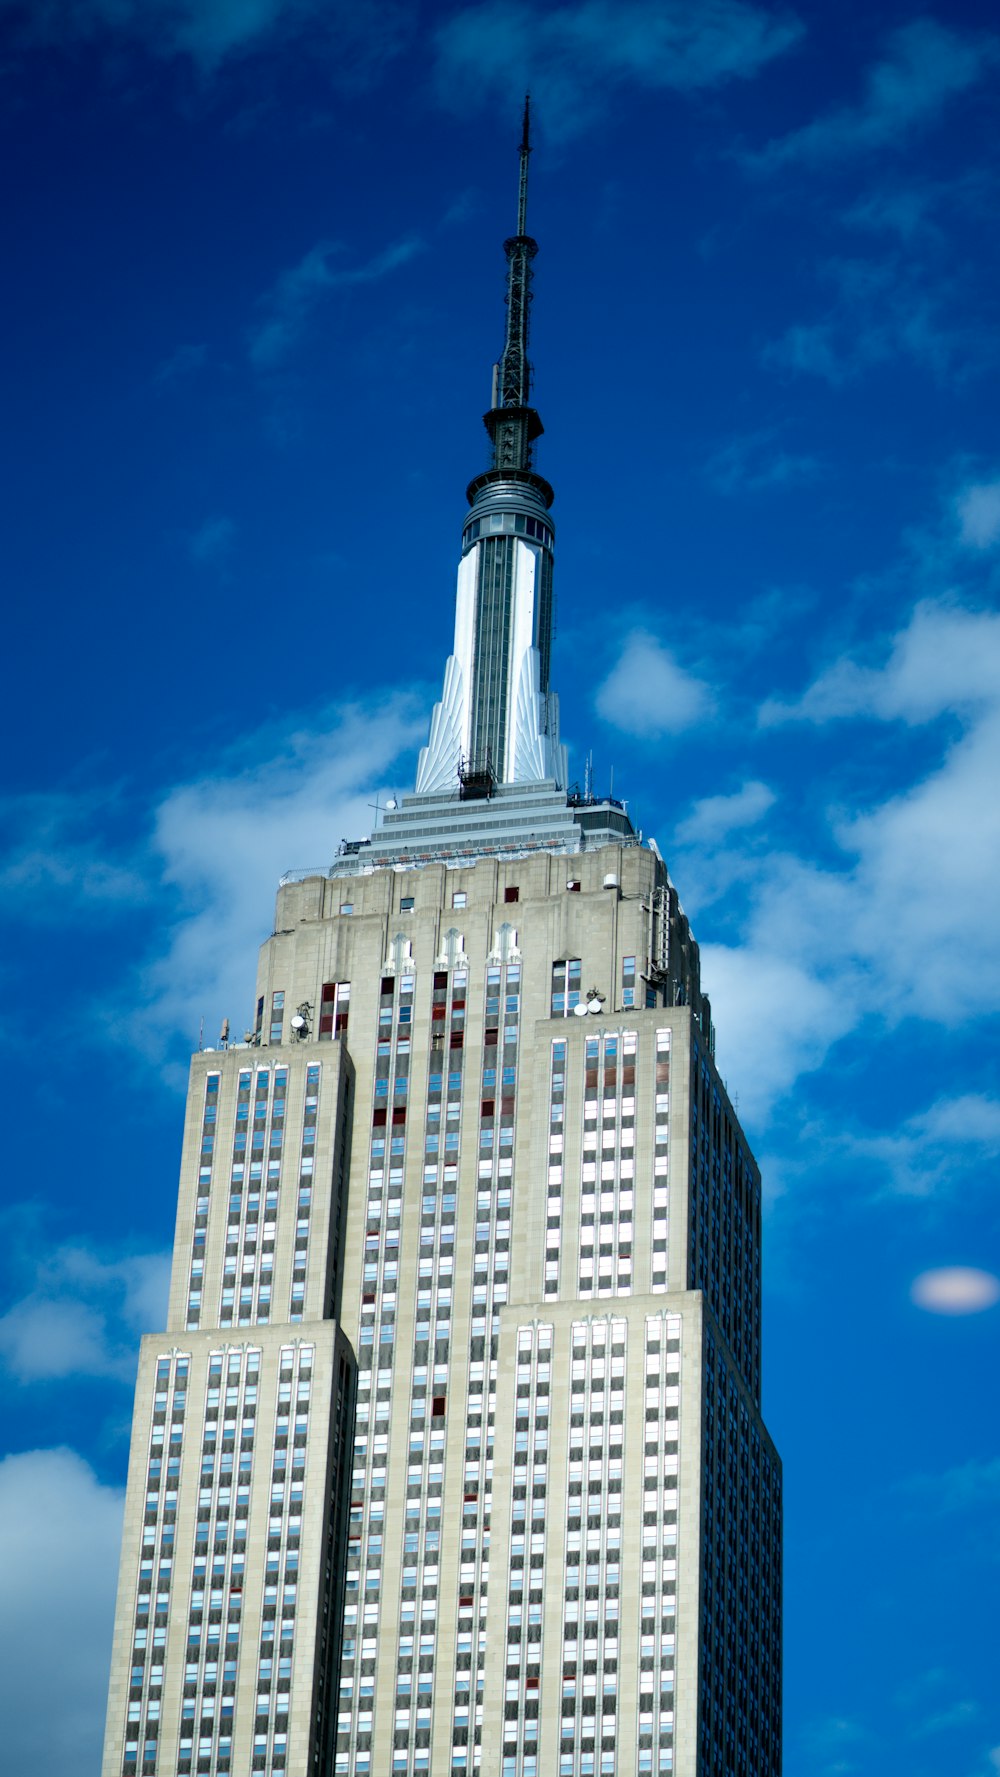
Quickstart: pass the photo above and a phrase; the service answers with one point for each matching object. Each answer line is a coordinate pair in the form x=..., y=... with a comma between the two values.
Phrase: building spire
x=498, y=719
x=512, y=422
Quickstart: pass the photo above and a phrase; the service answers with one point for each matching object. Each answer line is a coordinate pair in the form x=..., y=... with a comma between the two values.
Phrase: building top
x=494, y=774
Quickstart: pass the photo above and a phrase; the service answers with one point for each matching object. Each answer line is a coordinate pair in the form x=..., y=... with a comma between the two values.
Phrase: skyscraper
x=473, y=1165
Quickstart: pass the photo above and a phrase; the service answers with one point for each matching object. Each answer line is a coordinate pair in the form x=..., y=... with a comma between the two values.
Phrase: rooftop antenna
x=512, y=422
x=525, y=150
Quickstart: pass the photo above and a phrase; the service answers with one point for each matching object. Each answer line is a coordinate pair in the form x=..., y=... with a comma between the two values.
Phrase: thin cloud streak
x=575, y=57
x=208, y=34
x=925, y=67
x=301, y=289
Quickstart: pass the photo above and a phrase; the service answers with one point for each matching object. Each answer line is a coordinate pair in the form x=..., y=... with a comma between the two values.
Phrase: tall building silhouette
x=450, y=1460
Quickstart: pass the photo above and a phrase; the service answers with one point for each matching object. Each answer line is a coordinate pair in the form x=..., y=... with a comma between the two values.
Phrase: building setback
x=450, y=1460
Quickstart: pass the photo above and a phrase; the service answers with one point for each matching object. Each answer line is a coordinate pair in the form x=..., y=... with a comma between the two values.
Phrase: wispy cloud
x=978, y=510
x=946, y=659
x=648, y=693
x=924, y=68
x=61, y=848
x=912, y=940
x=209, y=33
x=931, y=1149
x=299, y=291
x=897, y=306
x=82, y=1314
x=714, y=817
x=574, y=57
x=182, y=362
x=219, y=844
x=207, y=859
x=758, y=462
x=211, y=545
x=60, y=1530
x=969, y=1487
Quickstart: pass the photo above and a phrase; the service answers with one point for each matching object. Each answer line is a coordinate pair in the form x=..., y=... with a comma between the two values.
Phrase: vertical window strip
x=303, y=1204
x=209, y=1137
x=149, y=1632
x=525, y=1601
x=658, y=1601
x=495, y=1186
x=418, y=1602
x=660, y=1230
x=216, y=1598
x=607, y=1190
x=377, y=1330
x=276, y=1648
x=591, y=1607
x=556, y=1160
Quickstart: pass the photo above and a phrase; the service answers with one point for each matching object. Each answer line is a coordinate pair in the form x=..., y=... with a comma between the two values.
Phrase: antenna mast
x=512, y=422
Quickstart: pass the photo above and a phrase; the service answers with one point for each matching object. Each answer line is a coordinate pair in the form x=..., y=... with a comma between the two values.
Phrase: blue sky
x=253, y=291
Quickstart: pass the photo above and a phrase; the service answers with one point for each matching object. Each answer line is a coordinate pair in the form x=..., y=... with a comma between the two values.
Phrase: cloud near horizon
x=60, y=1530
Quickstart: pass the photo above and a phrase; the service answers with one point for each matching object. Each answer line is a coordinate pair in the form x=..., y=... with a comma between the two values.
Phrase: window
x=347, y=906
x=406, y=904
x=565, y=986
x=628, y=980
x=334, y=1005
x=459, y=898
x=512, y=893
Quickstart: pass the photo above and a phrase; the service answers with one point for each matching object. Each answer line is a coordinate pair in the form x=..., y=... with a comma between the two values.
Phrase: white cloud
x=300, y=290
x=648, y=694
x=776, y=1019
x=925, y=67
x=978, y=510
x=60, y=1530
x=946, y=659
x=280, y=798
x=955, y=1289
x=908, y=925
x=221, y=842
x=83, y=1314
x=573, y=57
x=715, y=816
